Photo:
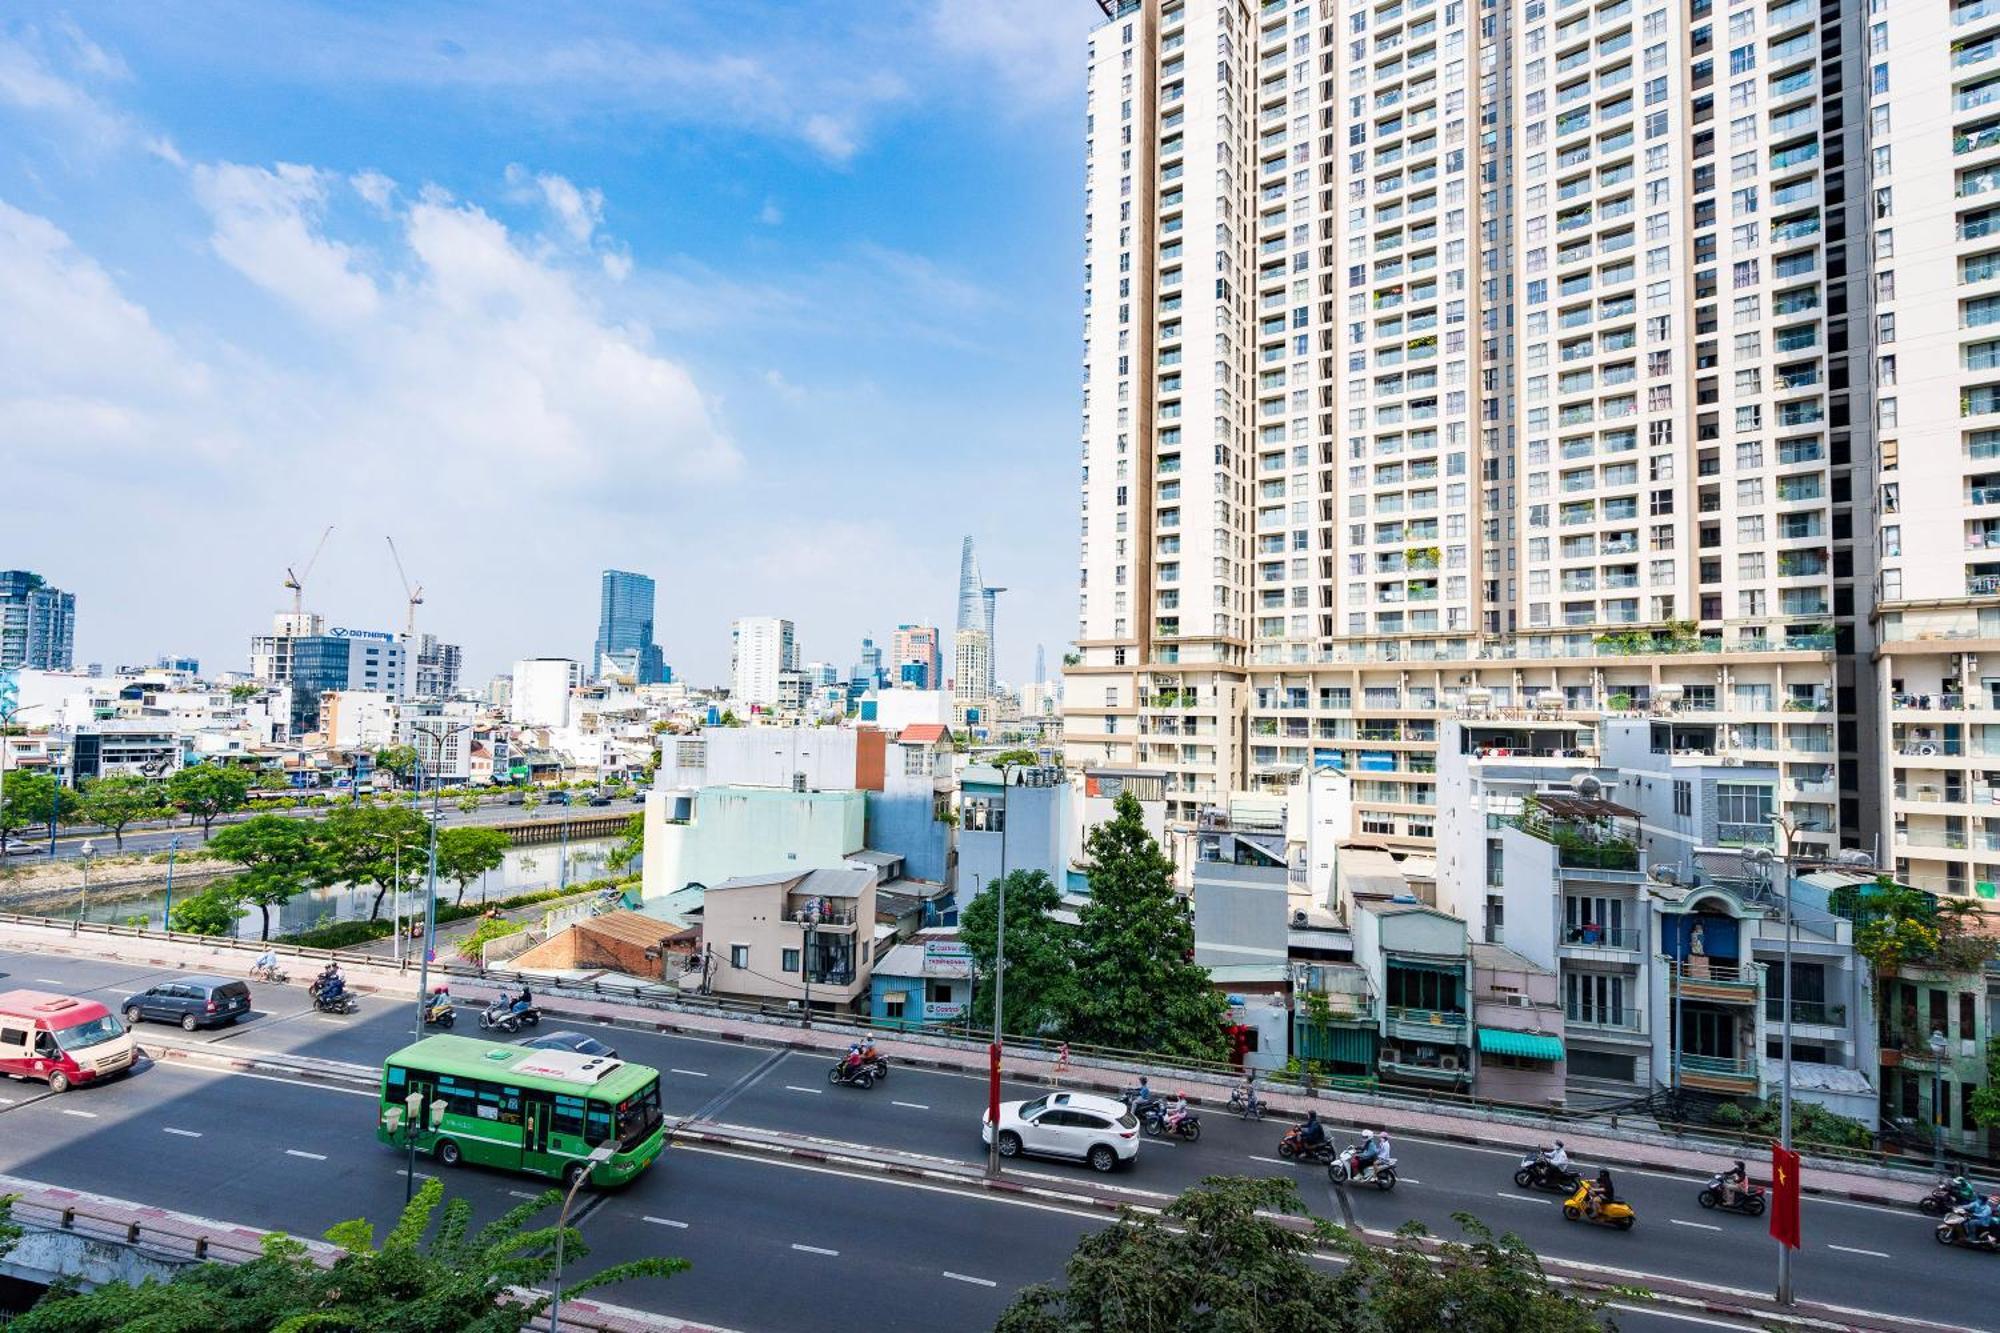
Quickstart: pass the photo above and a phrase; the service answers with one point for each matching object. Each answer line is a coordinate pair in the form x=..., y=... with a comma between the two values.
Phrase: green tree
x=400, y=760
x=206, y=792
x=631, y=843
x=31, y=798
x=118, y=799
x=1138, y=986
x=243, y=693
x=382, y=845
x=1015, y=759
x=468, y=803
x=1041, y=954
x=464, y=854
x=1220, y=1261
x=472, y=948
x=532, y=799
x=460, y=1281
x=280, y=857
x=213, y=911
x=1986, y=1100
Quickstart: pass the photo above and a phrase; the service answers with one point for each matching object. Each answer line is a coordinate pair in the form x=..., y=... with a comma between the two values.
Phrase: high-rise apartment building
x=540, y=692
x=625, y=626
x=972, y=667
x=761, y=649
x=916, y=657
x=435, y=672
x=37, y=623
x=1434, y=349
x=978, y=604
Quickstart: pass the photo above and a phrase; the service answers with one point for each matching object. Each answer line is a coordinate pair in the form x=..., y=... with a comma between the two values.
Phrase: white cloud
x=1034, y=46
x=46, y=75
x=374, y=188
x=783, y=387
x=770, y=214
x=267, y=228
x=833, y=137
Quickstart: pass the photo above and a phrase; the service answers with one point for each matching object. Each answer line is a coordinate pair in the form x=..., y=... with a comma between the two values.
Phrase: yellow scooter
x=1584, y=1205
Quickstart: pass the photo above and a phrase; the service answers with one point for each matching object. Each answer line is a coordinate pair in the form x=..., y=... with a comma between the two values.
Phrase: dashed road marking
x=667, y=1222
x=793, y=1087
x=309, y=1156
x=1274, y=1161
x=816, y=1249
x=914, y=1106
x=1849, y=1249
x=966, y=1277
x=691, y=1073
x=1524, y=1198
x=523, y=1194
x=183, y=1133
x=1698, y=1226
x=80, y=1115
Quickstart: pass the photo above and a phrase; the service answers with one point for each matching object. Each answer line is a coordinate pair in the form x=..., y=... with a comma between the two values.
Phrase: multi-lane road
x=834, y=1250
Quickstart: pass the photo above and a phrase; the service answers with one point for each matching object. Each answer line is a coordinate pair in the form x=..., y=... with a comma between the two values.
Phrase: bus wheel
x=447, y=1152
x=58, y=1081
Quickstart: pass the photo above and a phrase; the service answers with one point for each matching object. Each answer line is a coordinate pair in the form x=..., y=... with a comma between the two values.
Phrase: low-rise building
x=1518, y=1016
x=1417, y=960
x=717, y=833
x=630, y=943
x=925, y=981
x=801, y=937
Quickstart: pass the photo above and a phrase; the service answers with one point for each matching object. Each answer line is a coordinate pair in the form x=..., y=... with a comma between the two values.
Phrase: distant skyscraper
x=971, y=592
x=916, y=657
x=1041, y=667
x=972, y=666
x=37, y=623
x=625, y=624
x=868, y=672
x=435, y=673
x=761, y=648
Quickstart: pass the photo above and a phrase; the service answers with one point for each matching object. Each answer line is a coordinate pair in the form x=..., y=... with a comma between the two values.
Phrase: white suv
x=1097, y=1130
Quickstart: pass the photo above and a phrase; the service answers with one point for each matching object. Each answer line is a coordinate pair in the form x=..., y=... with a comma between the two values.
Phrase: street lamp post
x=601, y=1153
x=173, y=850
x=88, y=850
x=1780, y=863
x=1937, y=1045
x=437, y=737
x=999, y=1007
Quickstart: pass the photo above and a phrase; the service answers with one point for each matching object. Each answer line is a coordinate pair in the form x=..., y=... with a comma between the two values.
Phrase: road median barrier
x=243, y=1060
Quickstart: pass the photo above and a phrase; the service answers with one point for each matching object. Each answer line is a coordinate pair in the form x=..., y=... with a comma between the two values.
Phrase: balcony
x=1715, y=981
x=1439, y=1027
x=1581, y=1018
x=1589, y=937
x=1719, y=1074
x=1818, y=1013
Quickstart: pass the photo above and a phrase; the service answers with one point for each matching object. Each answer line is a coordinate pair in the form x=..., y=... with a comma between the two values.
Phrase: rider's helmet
x=1312, y=1117
x=1739, y=1164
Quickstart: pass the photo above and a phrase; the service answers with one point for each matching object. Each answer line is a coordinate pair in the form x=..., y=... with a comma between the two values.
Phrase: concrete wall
x=1035, y=836
x=906, y=823
x=1240, y=914
x=748, y=831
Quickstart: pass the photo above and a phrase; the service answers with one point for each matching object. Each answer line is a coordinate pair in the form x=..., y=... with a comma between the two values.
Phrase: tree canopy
x=1139, y=987
x=631, y=843
x=1219, y=1260
x=280, y=857
x=213, y=911
x=381, y=845
x=118, y=799
x=31, y=798
x=206, y=792
x=1041, y=970
x=459, y=1281
x=464, y=854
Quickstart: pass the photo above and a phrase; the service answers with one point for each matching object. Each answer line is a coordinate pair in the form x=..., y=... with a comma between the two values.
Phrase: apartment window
x=1743, y=803
x=788, y=960
x=1684, y=798
x=739, y=955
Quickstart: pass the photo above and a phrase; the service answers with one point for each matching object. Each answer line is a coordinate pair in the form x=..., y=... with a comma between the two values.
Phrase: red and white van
x=61, y=1039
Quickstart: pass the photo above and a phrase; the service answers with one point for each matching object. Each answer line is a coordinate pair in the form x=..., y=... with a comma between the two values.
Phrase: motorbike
x=1956, y=1229
x=440, y=1013
x=1536, y=1172
x=1381, y=1173
x=879, y=1066
x=1159, y=1122
x=334, y=1002
x=1749, y=1198
x=1947, y=1195
x=843, y=1074
x=1250, y=1107
x=1580, y=1207
x=1294, y=1145
x=270, y=975
x=503, y=1016
x=1139, y=1102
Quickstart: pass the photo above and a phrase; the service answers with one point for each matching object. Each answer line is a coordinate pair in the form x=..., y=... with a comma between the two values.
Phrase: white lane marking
x=665, y=1222
x=183, y=1133
x=309, y=1156
x=1274, y=1161
x=6, y=1101
x=975, y=1281
x=1699, y=1226
x=523, y=1194
x=1675, y=1314
x=1524, y=1198
x=914, y=1106
x=425, y=1175
x=1849, y=1249
x=816, y=1249
x=186, y=1068
x=80, y=1115
x=691, y=1073
x=793, y=1087
x=44, y=981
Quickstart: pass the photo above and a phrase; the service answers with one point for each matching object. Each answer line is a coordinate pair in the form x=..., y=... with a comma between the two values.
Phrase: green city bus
x=520, y=1108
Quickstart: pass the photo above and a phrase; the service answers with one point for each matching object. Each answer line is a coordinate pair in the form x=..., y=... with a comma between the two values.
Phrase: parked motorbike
x=1583, y=1206
x=1381, y=1173
x=1749, y=1198
x=1947, y=1195
x=1251, y=1109
x=1536, y=1172
x=1160, y=1121
x=1956, y=1229
x=502, y=1016
x=1294, y=1145
x=843, y=1074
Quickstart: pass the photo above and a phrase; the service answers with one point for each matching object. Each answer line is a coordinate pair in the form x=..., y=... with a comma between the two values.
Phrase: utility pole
x=173, y=850
x=999, y=1007
x=1780, y=863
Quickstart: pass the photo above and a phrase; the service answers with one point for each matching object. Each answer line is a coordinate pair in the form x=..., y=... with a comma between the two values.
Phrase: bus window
x=397, y=1074
x=597, y=1124
x=568, y=1116
x=638, y=1114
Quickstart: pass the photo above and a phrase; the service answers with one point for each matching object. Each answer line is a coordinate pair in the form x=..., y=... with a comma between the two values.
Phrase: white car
x=1097, y=1130
x=16, y=847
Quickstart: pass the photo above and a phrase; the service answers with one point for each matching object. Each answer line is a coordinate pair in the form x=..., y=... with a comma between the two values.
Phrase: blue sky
x=772, y=301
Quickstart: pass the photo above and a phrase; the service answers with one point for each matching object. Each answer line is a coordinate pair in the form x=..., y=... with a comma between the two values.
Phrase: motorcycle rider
x=1249, y=1092
x=1176, y=1112
x=852, y=1064
x=1982, y=1216
x=331, y=984
x=1601, y=1192
x=1312, y=1133
x=1141, y=1096
x=1368, y=1154
x=440, y=1001
x=266, y=964
x=1734, y=1180
x=525, y=1000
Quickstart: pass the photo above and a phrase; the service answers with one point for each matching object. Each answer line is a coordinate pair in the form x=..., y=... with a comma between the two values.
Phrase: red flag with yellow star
x=1785, y=1196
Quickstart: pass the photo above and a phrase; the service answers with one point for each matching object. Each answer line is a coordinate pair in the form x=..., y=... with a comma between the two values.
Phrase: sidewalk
x=1632, y=1146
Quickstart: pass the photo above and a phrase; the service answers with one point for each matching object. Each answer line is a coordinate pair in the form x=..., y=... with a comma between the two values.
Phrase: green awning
x=1527, y=1045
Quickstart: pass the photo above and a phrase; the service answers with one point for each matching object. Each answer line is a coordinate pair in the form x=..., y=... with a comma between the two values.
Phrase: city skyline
x=738, y=318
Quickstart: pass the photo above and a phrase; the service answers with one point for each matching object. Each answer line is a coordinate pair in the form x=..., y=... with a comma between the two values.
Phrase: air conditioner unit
x=1393, y=1054
x=1299, y=917
x=1448, y=1062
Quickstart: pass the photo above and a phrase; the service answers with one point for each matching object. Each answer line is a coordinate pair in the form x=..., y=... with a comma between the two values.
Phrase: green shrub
x=340, y=934
x=499, y=928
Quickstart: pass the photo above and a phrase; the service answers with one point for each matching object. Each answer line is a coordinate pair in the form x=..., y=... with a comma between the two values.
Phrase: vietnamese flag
x=1785, y=1196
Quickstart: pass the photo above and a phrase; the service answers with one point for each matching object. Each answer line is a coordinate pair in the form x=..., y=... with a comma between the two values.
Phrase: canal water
x=524, y=870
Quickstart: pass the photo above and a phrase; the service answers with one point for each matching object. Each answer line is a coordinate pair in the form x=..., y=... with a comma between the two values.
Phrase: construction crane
x=414, y=594
x=297, y=582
